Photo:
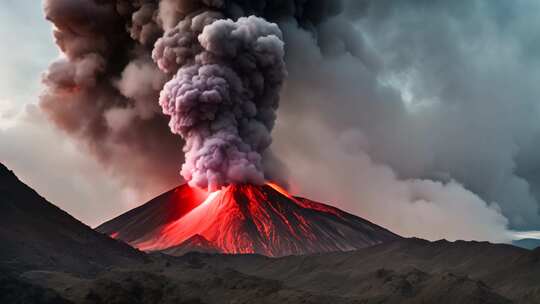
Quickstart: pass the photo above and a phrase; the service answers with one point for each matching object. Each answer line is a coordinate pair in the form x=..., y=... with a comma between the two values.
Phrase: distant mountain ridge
x=527, y=243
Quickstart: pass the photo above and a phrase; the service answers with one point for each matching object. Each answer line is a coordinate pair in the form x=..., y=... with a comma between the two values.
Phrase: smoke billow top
x=216, y=67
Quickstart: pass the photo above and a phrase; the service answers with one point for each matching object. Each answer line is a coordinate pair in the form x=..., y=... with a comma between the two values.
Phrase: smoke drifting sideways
x=413, y=102
x=220, y=79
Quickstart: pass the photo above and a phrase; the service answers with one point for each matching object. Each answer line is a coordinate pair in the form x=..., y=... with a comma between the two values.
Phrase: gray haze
x=418, y=115
x=439, y=93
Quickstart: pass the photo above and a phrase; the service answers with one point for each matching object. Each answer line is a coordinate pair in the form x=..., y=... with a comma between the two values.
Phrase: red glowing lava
x=279, y=189
x=242, y=219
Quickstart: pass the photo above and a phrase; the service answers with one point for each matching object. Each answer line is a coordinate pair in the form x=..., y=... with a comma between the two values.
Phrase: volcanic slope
x=35, y=234
x=243, y=219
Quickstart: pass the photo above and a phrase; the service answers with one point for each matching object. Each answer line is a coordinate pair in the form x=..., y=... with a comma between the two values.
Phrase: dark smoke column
x=223, y=98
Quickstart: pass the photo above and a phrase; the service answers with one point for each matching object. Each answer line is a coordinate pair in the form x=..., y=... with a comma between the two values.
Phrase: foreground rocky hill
x=407, y=271
x=35, y=234
x=49, y=257
x=200, y=278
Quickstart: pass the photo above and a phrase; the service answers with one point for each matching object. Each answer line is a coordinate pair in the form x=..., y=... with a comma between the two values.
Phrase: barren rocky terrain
x=47, y=256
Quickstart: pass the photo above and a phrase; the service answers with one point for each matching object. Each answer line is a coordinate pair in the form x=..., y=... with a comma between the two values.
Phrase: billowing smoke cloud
x=223, y=79
x=414, y=114
x=100, y=89
x=224, y=102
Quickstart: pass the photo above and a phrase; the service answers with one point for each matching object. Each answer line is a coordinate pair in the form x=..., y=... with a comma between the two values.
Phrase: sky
x=23, y=61
x=419, y=116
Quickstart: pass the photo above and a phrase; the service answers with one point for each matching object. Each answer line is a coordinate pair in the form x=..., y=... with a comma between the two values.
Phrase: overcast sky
x=410, y=117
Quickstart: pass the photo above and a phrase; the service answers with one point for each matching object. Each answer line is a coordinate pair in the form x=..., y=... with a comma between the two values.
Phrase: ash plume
x=224, y=102
x=117, y=56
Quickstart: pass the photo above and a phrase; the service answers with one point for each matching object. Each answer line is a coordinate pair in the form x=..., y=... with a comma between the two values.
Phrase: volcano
x=242, y=219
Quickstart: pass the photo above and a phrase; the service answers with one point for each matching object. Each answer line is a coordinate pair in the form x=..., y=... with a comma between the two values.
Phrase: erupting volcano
x=214, y=71
x=242, y=219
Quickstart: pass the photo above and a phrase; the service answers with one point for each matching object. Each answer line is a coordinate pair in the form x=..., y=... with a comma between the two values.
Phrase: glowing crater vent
x=210, y=198
x=242, y=219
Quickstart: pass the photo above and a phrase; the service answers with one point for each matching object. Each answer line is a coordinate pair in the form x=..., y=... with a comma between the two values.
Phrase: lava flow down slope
x=242, y=219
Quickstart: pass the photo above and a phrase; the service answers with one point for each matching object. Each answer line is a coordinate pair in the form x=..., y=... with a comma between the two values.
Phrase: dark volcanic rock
x=407, y=271
x=196, y=243
x=14, y=290
x=49, y=257
x=35, y=234
x=217, y=279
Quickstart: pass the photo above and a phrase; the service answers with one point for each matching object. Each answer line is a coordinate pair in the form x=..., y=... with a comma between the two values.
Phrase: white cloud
x=526, y=235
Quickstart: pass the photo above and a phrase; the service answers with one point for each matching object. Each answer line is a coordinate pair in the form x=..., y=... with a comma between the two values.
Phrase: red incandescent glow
x=213, y=214
x=279, y=189
x=241, y=219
